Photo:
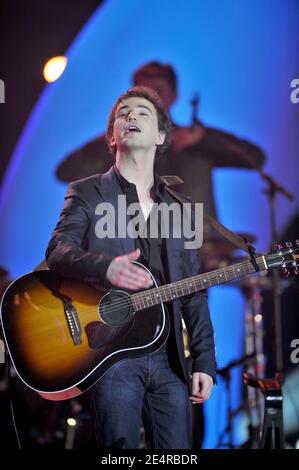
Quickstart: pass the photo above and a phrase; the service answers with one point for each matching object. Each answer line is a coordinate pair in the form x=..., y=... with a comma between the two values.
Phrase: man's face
x=136, y=125
x=162, y=87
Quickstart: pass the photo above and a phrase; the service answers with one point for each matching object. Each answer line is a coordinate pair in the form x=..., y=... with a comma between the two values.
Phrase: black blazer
x=75, y=251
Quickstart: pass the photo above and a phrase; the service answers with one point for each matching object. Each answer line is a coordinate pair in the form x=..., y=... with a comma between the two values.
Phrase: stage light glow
x=71, y=422
x=258, y=318
x=54, y=68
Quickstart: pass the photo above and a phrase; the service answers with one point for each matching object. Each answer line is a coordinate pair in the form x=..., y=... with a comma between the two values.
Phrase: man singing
x=151, y=387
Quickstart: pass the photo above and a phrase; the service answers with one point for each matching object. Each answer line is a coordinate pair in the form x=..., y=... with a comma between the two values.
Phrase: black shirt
x=153, y=255
x=153, y=249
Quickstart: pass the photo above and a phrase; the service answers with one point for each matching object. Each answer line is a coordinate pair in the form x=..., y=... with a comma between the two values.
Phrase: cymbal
x=221, y=148
x=228, y=150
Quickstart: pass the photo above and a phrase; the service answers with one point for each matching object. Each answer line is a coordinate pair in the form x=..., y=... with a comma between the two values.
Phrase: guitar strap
x=235, y=239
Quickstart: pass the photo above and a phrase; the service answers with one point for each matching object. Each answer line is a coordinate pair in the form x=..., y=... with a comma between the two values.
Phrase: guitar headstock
x=285, y=257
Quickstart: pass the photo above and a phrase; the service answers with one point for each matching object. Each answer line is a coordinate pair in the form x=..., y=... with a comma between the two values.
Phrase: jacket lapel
x=109, y=190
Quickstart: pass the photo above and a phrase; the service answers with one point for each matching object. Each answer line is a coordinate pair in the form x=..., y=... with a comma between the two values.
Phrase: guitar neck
x=194, y=284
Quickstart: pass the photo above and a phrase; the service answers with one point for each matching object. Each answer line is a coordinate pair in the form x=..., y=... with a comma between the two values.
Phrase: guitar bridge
x=73, y=322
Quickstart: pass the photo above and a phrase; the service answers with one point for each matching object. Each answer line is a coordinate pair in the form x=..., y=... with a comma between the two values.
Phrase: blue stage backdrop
x=240, y=56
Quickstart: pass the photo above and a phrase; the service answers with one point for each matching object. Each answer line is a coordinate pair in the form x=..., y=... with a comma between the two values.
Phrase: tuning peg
x=286, y=272
x=296, y=272
x=278, y=246
x=297, y=242
x=289, y=244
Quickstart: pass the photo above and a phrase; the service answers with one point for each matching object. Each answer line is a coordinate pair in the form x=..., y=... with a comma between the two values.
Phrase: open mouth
x=132, y=128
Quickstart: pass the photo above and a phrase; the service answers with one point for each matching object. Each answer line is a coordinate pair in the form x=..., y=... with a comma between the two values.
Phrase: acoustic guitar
x=63, y=335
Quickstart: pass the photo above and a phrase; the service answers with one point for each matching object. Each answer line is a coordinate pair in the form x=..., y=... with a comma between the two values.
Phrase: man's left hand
x=202, y=385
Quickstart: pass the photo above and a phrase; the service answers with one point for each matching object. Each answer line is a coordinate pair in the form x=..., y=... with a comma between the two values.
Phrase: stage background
x=240, y=56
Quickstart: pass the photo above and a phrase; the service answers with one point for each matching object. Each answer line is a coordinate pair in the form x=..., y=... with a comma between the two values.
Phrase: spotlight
x=71, y=422
x=258, y=318
x=54, y=68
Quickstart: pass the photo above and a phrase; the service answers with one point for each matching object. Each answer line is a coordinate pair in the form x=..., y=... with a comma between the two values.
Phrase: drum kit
x=263, y=402
x=263, y=396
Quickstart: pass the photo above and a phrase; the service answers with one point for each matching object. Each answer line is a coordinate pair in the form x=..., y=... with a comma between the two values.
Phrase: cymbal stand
x=194, y=105
x=254, y=346
x=271, y=191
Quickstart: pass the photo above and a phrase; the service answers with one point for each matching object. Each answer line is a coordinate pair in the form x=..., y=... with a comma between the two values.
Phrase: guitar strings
x=195, y=281
x=179, y=285
x=116, y=304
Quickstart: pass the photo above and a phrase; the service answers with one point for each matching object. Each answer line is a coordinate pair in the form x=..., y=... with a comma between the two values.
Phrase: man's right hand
x=122, y=273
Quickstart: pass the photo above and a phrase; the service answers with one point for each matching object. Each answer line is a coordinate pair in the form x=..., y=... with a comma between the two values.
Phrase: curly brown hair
x=164, y=123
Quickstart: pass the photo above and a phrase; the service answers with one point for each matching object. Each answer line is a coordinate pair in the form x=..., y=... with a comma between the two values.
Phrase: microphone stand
x=194, y=105
x=272, y=189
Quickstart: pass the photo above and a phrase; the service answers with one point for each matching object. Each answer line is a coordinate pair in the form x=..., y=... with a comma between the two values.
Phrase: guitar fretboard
x=194, y=284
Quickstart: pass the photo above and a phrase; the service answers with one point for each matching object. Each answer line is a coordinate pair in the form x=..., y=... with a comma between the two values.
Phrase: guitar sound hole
x=116, y=308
